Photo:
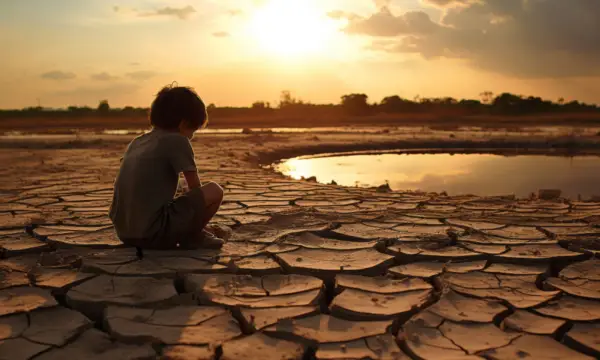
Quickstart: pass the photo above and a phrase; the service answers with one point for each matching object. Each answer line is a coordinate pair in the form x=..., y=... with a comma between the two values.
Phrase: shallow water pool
x=479, y=174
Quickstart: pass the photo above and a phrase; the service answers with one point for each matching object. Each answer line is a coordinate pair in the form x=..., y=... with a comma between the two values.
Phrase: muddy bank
x=554, y=147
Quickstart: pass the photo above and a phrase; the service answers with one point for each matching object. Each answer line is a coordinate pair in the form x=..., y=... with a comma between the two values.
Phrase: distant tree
x=211, y=107
x=33, y=109
x=471, y=105
x=286, y=99
x=395, y=104
x=103, y=107
x=507, y=103
x=448, y=101
x=261, y=105
x=356, y=104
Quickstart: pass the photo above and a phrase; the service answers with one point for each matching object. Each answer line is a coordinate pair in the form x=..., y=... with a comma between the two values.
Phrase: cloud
x=446, y=3
x=103, y=76
x=58, y=75
x=221, y=34
x=382, y=3
x=521, y=38
x=384, y=23
x=182, y=13
x=141, y=75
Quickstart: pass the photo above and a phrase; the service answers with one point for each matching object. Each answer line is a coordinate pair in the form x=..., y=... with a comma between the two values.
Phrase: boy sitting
x=143, y=210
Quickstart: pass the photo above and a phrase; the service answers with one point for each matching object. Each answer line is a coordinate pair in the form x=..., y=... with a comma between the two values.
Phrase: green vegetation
x=351, y=104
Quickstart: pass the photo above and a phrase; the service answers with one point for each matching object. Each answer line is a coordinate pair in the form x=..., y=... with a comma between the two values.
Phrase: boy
x=143, y=210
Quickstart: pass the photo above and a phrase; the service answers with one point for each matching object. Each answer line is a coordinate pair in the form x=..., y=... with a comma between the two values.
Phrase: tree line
x=356, y=104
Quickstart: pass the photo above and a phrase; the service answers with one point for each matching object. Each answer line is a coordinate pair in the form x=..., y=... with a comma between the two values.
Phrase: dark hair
x=174, y=104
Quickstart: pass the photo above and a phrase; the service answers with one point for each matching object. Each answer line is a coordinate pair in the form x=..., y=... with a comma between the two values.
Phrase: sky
x=58, y=53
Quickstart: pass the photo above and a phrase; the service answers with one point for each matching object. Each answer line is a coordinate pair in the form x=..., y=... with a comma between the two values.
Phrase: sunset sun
x=289, y=28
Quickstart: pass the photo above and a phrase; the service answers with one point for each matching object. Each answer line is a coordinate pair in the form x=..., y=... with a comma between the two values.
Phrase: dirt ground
x=309, y=271
x=435, y=121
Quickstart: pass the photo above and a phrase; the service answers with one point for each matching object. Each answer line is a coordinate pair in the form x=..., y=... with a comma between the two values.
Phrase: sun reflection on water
x=480, y=174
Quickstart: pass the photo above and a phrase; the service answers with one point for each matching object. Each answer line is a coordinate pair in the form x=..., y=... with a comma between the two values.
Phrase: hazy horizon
x=68, y=52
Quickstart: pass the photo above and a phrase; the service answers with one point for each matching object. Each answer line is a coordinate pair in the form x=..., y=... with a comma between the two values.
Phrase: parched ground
x=310, y=271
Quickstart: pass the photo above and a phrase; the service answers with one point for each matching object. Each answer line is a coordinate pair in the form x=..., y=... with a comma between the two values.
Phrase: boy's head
x=180, y=109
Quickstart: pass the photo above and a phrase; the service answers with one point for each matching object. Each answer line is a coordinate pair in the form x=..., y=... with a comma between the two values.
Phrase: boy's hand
x=192, y=179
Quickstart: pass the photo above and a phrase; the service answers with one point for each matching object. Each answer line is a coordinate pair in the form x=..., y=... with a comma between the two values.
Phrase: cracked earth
x=311, y=271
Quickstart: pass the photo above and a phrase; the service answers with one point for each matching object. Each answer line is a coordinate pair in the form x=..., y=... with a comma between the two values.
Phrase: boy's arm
x=192, y=179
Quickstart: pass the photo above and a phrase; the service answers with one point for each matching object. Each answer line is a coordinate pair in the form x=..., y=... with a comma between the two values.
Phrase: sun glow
x=293, y=28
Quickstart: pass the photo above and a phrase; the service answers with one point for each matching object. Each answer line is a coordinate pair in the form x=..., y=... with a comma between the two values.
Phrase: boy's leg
x=187, y=216
x=213, y=197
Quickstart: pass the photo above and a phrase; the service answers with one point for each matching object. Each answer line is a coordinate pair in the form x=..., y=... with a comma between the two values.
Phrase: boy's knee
x=214, y=187
x=212, y=192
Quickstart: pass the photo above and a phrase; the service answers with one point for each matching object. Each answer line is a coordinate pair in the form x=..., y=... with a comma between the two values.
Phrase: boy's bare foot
x=210, y=241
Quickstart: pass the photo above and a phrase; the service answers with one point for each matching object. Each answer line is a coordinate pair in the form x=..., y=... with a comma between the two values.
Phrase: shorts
x=179, y=224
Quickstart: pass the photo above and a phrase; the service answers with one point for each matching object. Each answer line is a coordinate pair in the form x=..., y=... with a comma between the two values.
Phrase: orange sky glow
x=235, y=52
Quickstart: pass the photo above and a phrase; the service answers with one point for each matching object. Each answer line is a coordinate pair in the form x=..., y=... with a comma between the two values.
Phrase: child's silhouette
x=144, y=211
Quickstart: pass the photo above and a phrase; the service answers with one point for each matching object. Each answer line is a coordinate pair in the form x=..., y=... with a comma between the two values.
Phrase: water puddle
x=478, y=174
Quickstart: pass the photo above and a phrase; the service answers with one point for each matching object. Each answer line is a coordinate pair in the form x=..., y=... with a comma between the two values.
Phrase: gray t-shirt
x=147, y=182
